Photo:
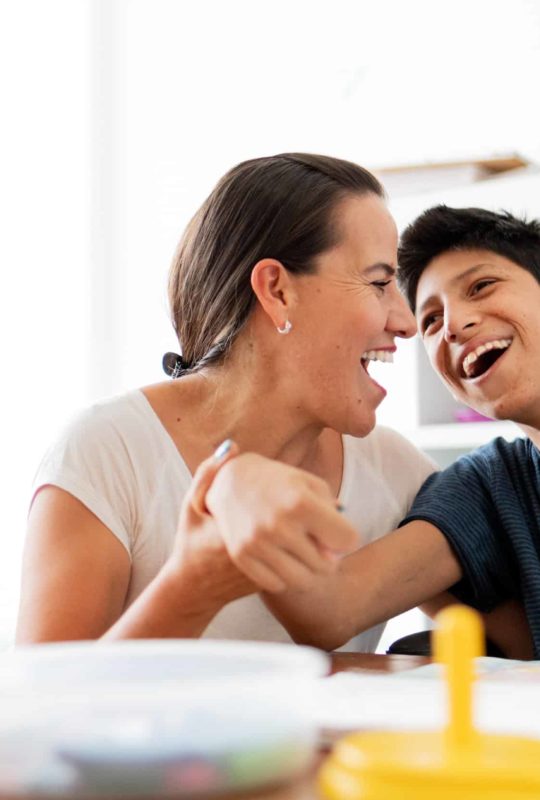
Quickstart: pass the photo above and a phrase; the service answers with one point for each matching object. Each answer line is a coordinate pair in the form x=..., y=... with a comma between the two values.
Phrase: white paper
x=417, y=700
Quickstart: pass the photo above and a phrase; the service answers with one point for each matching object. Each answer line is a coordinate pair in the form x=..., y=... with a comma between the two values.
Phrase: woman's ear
x=273, y=286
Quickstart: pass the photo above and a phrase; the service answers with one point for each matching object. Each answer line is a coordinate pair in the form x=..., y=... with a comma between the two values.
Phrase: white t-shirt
x=119, y=461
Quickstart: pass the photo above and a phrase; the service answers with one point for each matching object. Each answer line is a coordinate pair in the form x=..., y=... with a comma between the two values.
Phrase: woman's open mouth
x=386, y=356
x=377, y=355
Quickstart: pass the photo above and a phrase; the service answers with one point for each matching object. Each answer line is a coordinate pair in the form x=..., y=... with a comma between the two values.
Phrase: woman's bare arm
x=76, y=574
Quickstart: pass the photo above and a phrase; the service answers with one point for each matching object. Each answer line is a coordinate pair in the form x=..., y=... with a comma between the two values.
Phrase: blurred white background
x=120, y=115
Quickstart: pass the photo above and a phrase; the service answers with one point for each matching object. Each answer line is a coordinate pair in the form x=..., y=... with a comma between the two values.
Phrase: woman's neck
x=249, y=400
x=255, y=413
x=261, y=421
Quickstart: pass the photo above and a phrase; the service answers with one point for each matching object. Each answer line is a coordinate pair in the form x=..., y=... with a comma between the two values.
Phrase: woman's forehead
x=365, y=224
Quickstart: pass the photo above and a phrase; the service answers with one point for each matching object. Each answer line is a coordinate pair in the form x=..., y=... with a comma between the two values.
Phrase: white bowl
x=156, y=716
x=70, y=664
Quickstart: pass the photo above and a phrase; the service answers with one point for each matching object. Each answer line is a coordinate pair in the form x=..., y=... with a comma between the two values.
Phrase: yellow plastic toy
x=457, y=762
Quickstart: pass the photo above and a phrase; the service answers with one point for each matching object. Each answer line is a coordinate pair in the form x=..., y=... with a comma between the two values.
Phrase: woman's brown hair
x=275, y=207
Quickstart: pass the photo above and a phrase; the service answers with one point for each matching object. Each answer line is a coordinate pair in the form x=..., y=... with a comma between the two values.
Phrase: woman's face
x=347, y=314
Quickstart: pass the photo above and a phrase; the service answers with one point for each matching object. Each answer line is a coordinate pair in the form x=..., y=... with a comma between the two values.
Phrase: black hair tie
x=174, y=365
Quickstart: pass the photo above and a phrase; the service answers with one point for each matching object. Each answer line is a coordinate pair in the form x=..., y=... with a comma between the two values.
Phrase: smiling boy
x=473, y=279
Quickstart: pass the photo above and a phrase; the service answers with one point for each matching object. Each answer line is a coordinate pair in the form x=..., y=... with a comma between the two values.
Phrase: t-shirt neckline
x=162, y=431
x=165, y=436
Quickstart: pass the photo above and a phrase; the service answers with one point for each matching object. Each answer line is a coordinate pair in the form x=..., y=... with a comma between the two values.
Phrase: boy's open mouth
x=478, y=361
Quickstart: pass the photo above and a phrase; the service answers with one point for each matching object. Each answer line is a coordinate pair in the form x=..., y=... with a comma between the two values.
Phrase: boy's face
x=479, y=316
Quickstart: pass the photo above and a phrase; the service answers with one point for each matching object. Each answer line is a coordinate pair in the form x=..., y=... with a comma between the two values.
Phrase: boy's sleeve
x=457, y=501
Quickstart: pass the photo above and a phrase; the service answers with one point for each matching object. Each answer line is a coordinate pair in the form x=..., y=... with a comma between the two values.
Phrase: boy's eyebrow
x=456, y=279
x=390, y=271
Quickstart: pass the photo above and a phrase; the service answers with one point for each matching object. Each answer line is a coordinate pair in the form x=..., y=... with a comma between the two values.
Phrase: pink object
x=466, y=414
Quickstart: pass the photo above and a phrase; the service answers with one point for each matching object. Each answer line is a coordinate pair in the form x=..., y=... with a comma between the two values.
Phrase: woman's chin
x=362, y=427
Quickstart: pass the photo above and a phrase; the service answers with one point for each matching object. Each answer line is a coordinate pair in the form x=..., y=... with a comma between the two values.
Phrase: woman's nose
x=401, y=319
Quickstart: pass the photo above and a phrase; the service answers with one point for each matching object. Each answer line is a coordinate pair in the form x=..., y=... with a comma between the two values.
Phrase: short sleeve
x=459, y=503
x=90, y=460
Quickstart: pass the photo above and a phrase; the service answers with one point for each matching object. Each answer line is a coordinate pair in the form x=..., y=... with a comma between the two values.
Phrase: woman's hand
x=200, y=557
x=199, y=577
x=280, y=524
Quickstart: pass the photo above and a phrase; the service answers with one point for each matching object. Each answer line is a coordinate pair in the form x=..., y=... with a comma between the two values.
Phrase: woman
x=282, y=291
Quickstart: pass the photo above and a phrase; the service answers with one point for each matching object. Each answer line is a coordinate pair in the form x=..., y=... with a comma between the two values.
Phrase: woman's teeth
x=472, y=357
x=378, y=355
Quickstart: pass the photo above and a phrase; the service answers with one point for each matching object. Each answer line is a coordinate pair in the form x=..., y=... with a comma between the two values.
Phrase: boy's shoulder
x=502, y=453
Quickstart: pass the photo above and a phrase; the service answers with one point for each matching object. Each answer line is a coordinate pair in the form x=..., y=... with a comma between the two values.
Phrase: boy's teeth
x=474, y=355
x=378, y=355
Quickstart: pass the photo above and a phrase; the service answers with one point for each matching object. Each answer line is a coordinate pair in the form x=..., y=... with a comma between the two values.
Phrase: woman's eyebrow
x=390, y=271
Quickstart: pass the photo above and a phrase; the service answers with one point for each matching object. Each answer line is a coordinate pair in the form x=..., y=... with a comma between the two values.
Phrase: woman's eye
x=381, y=284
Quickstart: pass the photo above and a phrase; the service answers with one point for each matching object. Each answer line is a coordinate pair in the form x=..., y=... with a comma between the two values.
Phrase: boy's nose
x=453, y=329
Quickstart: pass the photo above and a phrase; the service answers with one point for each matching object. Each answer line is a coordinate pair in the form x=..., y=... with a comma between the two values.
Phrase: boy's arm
x=264, y=509
x=380, y=580
x=411, y=566
x=506, y=626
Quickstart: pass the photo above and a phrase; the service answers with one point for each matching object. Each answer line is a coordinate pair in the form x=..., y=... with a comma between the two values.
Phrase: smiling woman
x=282, y=290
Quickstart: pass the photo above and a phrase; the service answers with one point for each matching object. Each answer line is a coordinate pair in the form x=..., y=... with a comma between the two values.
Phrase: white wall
x=202, y=85
x=45, y=206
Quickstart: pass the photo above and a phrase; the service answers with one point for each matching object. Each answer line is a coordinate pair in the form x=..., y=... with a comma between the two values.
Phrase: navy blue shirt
x=487, y=504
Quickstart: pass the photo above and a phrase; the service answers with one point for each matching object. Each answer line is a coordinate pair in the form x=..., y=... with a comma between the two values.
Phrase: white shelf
x=461, y=435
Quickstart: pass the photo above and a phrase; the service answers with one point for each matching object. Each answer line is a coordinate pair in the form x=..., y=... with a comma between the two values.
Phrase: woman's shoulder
x=391, y=455
x=382, y=474
x=105, y=416
x=114, y=430
x=384, y=442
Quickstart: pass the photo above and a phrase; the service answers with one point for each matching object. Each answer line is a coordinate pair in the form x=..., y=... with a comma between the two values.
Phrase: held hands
x=280, y=524
x=250, y=524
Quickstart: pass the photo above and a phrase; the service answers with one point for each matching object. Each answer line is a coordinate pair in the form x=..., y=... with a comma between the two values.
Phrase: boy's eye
x=428, y=321
x=482, y=285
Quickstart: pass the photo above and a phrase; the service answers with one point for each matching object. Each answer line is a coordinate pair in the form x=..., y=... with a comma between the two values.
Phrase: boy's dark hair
x=441, y=229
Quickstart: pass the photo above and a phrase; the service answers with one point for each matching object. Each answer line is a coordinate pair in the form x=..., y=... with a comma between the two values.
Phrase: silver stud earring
x=286, y=328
